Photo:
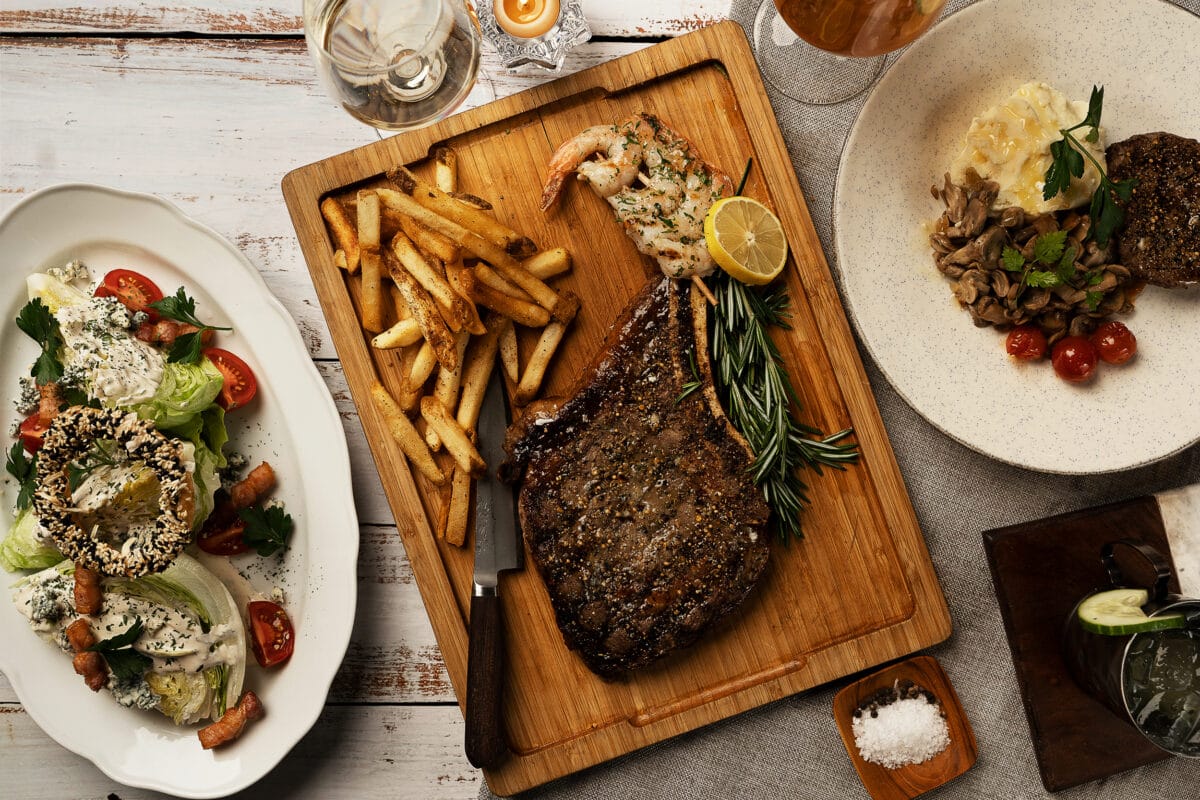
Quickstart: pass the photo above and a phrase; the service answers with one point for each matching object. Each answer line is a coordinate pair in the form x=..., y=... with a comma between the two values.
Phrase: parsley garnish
x=127, y=664
x=36, y=320
x=1012, y=260
x=98, y=455
x=1067, y=156
x=1048, y=248
x=24, y=468
x=267, y=529
x=182, y=308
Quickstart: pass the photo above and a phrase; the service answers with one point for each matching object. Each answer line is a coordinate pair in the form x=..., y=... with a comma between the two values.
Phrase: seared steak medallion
x=636, y=504
x=1160, y=242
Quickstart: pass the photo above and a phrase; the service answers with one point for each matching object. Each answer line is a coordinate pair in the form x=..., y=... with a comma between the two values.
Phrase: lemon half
x=745, y=239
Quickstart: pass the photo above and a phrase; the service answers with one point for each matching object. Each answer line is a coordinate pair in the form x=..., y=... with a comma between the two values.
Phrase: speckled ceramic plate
x=958, y=376
x=293, y=424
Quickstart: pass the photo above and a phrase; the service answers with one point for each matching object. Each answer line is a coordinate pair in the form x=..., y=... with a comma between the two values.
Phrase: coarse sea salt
x=903, y=728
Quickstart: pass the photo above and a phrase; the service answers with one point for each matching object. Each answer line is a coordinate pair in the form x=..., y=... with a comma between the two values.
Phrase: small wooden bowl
x=912, y=779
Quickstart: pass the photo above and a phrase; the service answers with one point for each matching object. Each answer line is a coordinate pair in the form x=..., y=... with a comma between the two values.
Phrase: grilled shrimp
x=656, y=182
x=621, y=146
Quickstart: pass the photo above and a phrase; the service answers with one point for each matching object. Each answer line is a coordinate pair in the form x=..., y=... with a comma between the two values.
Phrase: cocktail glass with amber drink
x=827, y=51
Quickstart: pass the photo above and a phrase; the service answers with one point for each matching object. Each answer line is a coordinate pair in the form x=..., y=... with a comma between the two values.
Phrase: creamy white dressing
x=119, y=369
x=173, y=638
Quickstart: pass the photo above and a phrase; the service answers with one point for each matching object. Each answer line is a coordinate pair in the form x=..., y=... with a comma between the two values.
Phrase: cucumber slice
x=1118, y=612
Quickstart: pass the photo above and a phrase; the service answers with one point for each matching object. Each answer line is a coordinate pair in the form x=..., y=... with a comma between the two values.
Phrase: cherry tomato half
x=32, y=429
x=135, y=291
x=223, y=540
x=1115, y=343
x=1074, y=359
x=1026, y=342
x=240, y=384
x=273, y=636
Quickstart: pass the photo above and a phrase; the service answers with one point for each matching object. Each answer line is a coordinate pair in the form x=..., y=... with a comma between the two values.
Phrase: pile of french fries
x=438, y=257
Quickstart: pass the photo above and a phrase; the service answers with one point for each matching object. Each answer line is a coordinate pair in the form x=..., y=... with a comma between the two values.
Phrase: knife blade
x=496, y=550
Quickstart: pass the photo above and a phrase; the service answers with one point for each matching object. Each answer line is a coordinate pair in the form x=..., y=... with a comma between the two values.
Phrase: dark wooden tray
x=1041, y=569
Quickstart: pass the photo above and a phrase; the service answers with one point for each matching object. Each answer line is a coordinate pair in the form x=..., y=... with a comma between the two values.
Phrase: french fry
x=477, y=368
x=475, y=244
x=422, y=368
x=339, y=258
x=528, y=314
x=445, y=169
x=402, y=334
x=407, y=398
x=548, y=263
x=406, y=435
x=431, y=278
x=495, y=280
x=458, y=444
x=473, y=219
x=402, y=309
x=472, y=200
x=454, y=271
x=445, y=388
x=539, y=360
x=438, y=245
x=423, y=309
x=372, y=269
x=508, y=351
x=459, y=512
x=343, y=231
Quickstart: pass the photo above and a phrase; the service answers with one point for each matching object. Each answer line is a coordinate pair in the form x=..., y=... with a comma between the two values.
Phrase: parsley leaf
x=182, y=308
x=1066, y=264
x=267, y=529
x=1040, y=279
x=36, y=320
x=1093, y=300
x=127, y=664
x=24, y=468
x=1048, y=248
x=1012, y=260
x=1067, y=159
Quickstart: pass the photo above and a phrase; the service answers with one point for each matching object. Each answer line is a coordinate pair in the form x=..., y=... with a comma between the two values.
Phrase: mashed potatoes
x=1010, y=144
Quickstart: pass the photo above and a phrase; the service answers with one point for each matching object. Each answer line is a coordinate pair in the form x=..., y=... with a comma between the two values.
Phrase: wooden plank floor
x=114, y=94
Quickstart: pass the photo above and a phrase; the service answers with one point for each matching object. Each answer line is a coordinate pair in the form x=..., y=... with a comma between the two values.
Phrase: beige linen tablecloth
x=792, y=749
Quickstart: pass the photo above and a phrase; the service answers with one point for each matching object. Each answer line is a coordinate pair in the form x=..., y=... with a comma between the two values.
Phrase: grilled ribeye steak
x=1160, y=241
x=636, y=505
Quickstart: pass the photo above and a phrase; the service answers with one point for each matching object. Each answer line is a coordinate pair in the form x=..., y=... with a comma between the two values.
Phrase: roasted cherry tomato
x=33, y=428
x=1026, y=342
x=224, y=540
x=273, y=636
x=240, y=384
x=135, y=291
x=1074, y=359
x=1115, y=343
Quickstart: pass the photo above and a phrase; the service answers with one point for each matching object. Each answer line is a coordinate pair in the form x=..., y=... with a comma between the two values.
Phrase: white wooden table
x=208, y=104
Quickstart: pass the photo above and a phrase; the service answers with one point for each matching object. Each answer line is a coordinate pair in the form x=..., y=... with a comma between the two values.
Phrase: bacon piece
x=232, y=722
x=49, y=400
x=253, y=487
x=79, y=634
x=164, y=332
x=89, y=597
x=93, y=669
x=90, y=665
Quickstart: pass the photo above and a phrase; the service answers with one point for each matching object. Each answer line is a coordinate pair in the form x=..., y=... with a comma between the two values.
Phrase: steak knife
x=496, y=550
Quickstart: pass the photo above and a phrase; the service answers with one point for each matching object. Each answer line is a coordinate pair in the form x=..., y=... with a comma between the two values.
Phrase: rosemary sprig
x=758, y=397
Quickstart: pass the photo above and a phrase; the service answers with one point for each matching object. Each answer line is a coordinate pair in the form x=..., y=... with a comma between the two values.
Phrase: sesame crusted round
x=69, y=438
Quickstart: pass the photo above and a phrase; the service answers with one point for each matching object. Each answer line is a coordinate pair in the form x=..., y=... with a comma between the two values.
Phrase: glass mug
x=1151, y=680
x=394, y=64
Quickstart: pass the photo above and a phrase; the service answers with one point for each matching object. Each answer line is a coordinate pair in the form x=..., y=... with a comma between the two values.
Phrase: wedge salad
x=123, y=477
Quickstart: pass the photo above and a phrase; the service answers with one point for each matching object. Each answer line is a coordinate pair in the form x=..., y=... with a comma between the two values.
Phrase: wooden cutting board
x=858, y=591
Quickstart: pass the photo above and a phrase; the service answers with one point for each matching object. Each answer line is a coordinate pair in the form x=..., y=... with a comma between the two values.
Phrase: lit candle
x=526, y=19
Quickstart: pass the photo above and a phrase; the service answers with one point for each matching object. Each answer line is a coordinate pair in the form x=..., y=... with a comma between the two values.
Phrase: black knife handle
x=485, y=743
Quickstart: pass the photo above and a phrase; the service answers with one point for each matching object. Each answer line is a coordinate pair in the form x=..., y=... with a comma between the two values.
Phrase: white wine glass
x=394, y=64
x=826, y=51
